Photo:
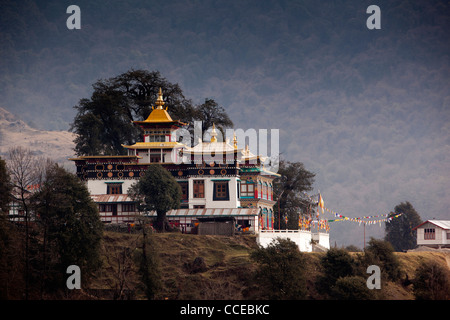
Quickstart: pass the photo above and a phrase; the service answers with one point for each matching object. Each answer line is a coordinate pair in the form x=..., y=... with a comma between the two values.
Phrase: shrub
x=280, y=273
x=381, y=253
x=351, y=288
x=432, y=282
x=336, y=263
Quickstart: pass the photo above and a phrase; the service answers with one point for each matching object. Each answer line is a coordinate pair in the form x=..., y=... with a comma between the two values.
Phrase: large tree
x=157, y=191
x=70, y=226
x=211, y=113
x=399, y=231
x=289, y=192
x=24, y=172
x=10, y=253
x=104, y=121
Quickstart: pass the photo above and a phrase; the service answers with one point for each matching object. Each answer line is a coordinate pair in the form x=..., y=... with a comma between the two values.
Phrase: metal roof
x=210, y=212
x=106, y=198
x=443, y=224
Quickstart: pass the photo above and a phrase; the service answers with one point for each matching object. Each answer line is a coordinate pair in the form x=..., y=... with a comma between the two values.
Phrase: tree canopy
x=104, y=121
x=432, y=282
x=210, y=112
x=5, y=187
x=157, y=191
x=288, y=190
x=281, y=270
x=399, y=231
x=70, y=220
x=62, y=228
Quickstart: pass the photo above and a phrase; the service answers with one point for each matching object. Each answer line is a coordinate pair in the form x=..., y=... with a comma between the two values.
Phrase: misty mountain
x=56, y=145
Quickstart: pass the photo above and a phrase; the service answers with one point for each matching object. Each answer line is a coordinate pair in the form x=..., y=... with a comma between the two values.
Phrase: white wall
x=208, y=201
x=322, y=238
x=300, y=237
x=100, y=186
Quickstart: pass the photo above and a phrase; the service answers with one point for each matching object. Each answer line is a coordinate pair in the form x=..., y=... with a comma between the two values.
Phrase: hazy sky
x=366, y=110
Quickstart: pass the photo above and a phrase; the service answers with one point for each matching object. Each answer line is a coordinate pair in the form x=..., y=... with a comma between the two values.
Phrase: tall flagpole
x=364, y=235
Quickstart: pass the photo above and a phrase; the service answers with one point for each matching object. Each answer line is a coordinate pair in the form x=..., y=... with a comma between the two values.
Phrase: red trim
x=430, y=221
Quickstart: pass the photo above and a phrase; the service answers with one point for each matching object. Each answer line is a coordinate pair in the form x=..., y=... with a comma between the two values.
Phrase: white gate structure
x=304, y=239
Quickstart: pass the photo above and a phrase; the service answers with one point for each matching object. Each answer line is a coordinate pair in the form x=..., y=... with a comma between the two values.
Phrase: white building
x=221, y=185
x=215, y=177
x=434, y=233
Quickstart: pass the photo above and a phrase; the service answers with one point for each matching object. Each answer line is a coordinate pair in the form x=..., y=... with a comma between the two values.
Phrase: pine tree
x=70, y=225
x=399, y=231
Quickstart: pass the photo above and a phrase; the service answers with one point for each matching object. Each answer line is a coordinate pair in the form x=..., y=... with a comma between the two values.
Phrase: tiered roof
x=159, y=115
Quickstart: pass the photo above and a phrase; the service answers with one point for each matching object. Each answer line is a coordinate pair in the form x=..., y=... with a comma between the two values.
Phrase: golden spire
x=235, y=140
x=160, y=101
x=213, y=134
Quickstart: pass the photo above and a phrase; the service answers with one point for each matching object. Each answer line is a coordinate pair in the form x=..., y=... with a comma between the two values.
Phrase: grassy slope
x=228, y=267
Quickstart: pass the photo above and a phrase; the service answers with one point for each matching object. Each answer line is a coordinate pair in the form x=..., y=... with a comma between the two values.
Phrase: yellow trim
x=103, y=157
x=154, y=145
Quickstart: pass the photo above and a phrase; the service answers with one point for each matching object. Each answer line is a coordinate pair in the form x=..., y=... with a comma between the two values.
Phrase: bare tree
x=25, y=174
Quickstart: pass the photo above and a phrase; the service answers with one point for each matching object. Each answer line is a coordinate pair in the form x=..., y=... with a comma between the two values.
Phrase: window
x=128, y=207
x=157, y=132
x=270, y=192
x=199, y=188
x=184, y=190
x=106, y=207
x=154, y=158
x=247, y=190
x=199, y=206
x=114, y=188
x=221, y=191
x=429, y=234
x=259, y=191
x=264, y=191
x=157, y=138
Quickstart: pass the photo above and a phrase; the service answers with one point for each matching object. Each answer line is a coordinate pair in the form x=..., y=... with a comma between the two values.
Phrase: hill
x=214, y=268
x=56, y=145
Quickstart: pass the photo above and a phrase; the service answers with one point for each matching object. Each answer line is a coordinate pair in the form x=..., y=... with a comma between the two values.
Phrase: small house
x=434, y=234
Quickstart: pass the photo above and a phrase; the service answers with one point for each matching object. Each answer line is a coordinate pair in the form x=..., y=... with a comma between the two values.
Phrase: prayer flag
x=321, y=202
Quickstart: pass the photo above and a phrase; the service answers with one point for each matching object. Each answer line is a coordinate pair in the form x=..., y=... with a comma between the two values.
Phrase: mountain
x=56, y=145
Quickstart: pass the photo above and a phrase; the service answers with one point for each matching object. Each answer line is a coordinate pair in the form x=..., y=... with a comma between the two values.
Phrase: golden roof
x=159, y=114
